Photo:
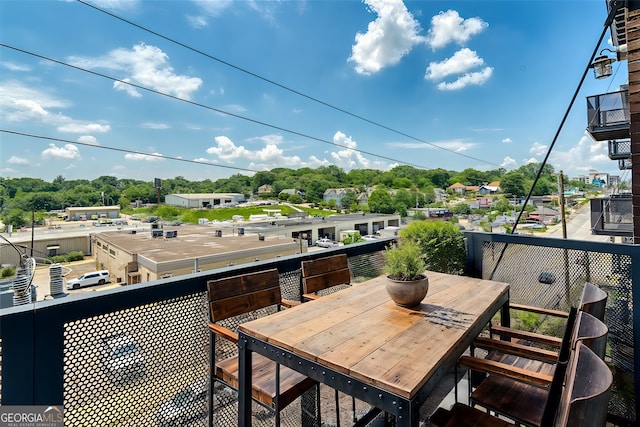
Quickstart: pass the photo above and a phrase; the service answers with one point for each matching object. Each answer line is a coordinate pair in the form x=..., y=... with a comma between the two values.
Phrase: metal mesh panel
x=140, y=366
x=553, y=278
x=366, y=266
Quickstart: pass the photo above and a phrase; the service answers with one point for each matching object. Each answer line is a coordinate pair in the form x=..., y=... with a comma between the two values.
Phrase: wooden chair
x=323, y=273
x=318, y=277
x=235, y=300
x=581, y=402
x=519, y=397
x=593, y=301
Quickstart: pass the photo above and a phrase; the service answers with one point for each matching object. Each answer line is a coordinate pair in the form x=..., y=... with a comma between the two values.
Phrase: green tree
x=512, y=183
x=380, y=201
x=461, y=209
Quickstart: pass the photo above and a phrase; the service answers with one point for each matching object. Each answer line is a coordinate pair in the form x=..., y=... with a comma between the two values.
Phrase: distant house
x=336, y=194
x=264, y=189
x=291, y=191
x=491, y=188
x=457, y=188
x=545, y=214
x=462, y=189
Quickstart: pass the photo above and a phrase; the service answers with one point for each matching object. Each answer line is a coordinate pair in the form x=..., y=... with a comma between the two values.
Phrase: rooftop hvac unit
x=171, y=233
x=156, y=233
x=132, y=231
x=218, y=233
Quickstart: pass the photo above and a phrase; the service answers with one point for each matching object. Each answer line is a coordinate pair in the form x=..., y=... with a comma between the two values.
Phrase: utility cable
x=217, y=110
x=281, y=86
x=614, y=7
x=124, y=150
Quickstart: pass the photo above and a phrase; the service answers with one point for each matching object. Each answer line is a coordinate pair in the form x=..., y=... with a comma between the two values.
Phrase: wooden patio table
x=359, y=342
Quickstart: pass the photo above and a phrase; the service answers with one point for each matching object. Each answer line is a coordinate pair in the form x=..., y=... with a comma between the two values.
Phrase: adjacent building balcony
x=52, y=352
x=612, y=215
x=624, y=164
x=620, y=149
x=608, y=116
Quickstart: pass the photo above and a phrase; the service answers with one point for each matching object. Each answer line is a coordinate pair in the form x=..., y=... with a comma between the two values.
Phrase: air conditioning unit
x=156, y=233
x=171, y=233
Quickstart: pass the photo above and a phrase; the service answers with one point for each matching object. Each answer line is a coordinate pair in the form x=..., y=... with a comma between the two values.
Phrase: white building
x=209, y=200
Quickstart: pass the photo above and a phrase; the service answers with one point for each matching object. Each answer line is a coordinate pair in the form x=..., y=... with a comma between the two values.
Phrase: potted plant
x=406, y=283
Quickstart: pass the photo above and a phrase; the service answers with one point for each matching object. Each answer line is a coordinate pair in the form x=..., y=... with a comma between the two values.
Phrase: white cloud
x=475, y=79
x=507, y=140
x=122, y=86
x=69, y=151
x=19, y=103
x=348, y=158
x=14, y=67
x=448, y=27
x=158, y=126
x=391, y=36
x=538, y=149
x=88, y=139
x=84, y=128
x=456, y=145
x=530, y=160
x=508, y=163
x=145, y=65
x=116, y=4
x=15, y=160
x=8, y=171
x=226, y=150
x=137, y=157
x=462, y=61
x=584, y=155
x=197, y=21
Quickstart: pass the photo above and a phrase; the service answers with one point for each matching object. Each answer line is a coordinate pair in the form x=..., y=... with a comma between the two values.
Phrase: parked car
x=370, y=237
x=325, y=243
x=94, y=278
x=186, y=405
x=546, y=278
x=122, y=359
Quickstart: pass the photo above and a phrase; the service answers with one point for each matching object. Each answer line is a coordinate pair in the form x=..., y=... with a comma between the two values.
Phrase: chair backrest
x=323, y=273
x=555, y=389
x=593, y=301
x=233, y=296
x=587, y=391
x=592, y=333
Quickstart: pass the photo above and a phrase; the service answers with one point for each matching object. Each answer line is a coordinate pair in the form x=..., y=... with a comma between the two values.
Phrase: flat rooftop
x=192, y=241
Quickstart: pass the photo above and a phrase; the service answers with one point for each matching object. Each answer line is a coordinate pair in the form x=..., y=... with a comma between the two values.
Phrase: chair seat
x=513, y=397
x=292, y=383
x=465, y=416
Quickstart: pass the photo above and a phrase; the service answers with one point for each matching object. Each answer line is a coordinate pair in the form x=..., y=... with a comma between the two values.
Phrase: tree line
x=19, y=196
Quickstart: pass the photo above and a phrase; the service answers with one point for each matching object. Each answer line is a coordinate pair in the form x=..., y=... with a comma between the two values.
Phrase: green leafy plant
x=7, y=272
x=405, y=261
x=441, y=243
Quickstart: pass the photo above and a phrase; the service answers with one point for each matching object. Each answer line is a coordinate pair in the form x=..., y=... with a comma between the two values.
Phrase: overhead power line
x=124, y=150
x=282, y=86
x=157, y=92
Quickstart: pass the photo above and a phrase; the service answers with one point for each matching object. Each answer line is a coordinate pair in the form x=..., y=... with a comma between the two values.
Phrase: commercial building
x=84, y=213
x=207, y=200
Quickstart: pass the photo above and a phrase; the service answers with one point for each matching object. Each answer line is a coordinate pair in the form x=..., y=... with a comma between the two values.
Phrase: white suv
x=94, y=278
x=121, y=357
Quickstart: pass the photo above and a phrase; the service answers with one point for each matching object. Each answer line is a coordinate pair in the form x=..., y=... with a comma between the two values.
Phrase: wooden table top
x=360, y=332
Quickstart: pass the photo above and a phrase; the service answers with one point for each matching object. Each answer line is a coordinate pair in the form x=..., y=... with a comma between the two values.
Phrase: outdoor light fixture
x=602, y=65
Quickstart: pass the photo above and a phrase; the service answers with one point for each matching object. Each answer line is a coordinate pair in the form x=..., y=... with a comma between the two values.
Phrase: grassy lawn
x=172, y=213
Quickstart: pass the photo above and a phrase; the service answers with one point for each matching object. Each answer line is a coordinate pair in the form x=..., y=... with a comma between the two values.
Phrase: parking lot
x=70, y=271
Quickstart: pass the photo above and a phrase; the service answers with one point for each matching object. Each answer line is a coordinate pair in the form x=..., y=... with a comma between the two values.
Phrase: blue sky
x=440, y=84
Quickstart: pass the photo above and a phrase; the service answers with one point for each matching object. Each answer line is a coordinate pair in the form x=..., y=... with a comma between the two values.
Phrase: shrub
x=7, y=272
x=442, y=244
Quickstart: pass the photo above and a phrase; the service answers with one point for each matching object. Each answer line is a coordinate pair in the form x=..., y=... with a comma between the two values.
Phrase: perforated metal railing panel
x=140, y=367
x=553, y=278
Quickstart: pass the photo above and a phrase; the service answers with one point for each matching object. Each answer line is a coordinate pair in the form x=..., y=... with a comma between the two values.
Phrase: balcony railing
x=50, y=350
x=612, y=216
x=608, y=116
x=624, y=164
x=620, y=149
